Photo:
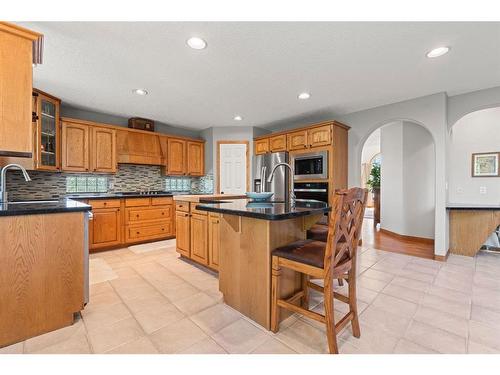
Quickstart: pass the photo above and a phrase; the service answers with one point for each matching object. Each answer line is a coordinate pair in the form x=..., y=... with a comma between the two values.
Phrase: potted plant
x=374, y=185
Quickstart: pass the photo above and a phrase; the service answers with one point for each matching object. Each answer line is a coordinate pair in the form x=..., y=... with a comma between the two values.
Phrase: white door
x=233, y=168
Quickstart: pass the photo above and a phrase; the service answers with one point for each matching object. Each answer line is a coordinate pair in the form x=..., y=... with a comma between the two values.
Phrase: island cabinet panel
x=106, y=227
x=75, y=147
x=195, y=158
x=41, y=274
x=183, y=233
x=16, y=84
x=199, y=238
x=278, y=143
x=320, y=136
x=103, y=150
x=297, y=140
x=176, y=161
x=261, y=146
x=213, y=240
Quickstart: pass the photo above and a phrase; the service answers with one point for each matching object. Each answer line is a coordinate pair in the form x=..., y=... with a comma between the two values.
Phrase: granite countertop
x=463, y=206
x=42, y=207
x=118, y=195
x=196, y=198
x=265, y=210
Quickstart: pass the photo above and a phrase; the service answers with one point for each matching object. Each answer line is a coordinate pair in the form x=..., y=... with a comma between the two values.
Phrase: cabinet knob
x=105, y=203
x=138, y=232
x=136, y=215
x=163, y=213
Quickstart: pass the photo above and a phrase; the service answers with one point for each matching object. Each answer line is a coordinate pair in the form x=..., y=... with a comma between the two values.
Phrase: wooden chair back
x=344, y=230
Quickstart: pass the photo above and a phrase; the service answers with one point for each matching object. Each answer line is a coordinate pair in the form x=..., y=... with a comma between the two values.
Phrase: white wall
x=475, y=132
x=408, y=180
x=371, y=147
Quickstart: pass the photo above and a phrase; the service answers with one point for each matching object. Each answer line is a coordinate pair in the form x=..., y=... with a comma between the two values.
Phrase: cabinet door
x=213, y=240
x=47, y=132
x=321, y=136
x=195, y=158
x=16, y=133
x=103, y=150
x=261, y=146
x=75, y=147
x=176, y=161
x=297, y=140
x=106, y=228
x=182, y=233
x=277, y=143
x=199, y=238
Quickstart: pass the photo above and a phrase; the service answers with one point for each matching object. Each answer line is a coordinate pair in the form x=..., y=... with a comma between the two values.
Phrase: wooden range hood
x=138, y=147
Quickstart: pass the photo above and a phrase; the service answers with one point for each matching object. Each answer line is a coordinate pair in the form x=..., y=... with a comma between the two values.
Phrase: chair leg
x=305, y=288
x=353, y=305
x=330, y=321
x=341, y=281
x=275, y=278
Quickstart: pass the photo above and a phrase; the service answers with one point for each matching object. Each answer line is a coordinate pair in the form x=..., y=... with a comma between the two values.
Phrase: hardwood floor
x=373, y=237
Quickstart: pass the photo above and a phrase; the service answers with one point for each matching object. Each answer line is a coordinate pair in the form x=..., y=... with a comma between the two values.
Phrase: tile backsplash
x=129, y=177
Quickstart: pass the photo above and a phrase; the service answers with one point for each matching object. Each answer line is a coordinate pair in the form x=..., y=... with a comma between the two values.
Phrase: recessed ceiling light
x=304, y=95
x=238, y=118
x=141, y=92
x=196, y=43
x=436, y=52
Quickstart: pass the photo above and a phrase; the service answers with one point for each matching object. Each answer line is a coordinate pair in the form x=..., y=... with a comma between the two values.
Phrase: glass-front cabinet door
x=47, y=131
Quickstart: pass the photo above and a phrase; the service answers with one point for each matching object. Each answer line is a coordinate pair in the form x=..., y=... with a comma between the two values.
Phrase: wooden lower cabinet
x=213, y=240
x=197, y=234
x=106, y=228
x=183, y=233
x=118, y=222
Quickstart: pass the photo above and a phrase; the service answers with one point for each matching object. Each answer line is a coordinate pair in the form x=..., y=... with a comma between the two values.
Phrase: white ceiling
x=257, y=69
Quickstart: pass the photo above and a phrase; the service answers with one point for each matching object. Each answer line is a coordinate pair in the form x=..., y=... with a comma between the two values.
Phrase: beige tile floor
x=146, y=300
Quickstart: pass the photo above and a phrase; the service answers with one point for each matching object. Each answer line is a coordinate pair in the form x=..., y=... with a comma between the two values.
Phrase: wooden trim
x=16, y=154
x=442, y=258
x=428, y=241
x=305, y=127
x=19, y=31
x=247, y=143
x=46, y=94
x=117, y=127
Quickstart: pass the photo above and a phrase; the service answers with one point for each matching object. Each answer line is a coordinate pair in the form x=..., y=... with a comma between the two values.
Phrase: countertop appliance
x=262, y=167
x=311, y=165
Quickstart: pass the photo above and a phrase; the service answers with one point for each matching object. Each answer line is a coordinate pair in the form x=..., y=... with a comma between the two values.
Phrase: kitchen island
x=43, y=266
x=249, y=232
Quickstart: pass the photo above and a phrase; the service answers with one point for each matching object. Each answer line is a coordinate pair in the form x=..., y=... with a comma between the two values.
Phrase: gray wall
x=83, y=114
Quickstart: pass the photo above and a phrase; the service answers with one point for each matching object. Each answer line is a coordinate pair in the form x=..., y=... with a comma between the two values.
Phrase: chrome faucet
x=3, y=178
x=290, y=186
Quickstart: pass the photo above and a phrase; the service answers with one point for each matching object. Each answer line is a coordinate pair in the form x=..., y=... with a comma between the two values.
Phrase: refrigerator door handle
x=263, y=180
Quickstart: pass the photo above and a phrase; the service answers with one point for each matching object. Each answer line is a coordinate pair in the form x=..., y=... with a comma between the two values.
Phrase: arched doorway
x=405, y=152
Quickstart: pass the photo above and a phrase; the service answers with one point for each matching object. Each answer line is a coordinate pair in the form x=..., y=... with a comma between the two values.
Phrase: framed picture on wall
x=485, y=164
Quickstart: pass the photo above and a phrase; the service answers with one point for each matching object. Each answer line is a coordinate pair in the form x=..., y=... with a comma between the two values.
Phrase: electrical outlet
x=483, y=190
x=460, y=190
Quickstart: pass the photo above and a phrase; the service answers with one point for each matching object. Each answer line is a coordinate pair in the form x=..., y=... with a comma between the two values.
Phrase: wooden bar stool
x=330, y=260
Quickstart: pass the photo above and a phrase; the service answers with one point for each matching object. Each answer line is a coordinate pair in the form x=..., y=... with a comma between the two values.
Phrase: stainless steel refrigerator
x=262, y=168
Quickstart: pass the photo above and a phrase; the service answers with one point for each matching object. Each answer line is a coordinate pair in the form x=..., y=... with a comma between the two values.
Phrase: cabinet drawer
x=182, y=206
x=137, y=202
x=160, y=201
x=134, y=215
x=198, y=212
x=104, y=203
x=137, y=233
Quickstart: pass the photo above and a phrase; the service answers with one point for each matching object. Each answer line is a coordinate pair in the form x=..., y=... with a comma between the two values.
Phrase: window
x=177, y=184
x=86, y=184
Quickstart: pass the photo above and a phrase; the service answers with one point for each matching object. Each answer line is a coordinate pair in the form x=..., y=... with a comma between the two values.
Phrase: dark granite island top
x=461, y=206
x=119, y=195
x=42, y=207
x=266, y=210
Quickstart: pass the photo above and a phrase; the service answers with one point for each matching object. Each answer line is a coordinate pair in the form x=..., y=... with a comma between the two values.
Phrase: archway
x=406, y=152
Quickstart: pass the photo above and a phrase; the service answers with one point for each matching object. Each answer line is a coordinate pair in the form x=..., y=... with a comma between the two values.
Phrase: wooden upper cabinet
x=277, y=143
x=261, y=146
x=75, y=147
x=103, y=150
x=297, y=140
x=195, y=158
x=47, y=131
x=320, y=136
x=16, y=84
x=176, y=161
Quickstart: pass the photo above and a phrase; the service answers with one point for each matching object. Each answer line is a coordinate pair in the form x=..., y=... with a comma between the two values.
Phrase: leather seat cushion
x=318, y=232
x=304, y=251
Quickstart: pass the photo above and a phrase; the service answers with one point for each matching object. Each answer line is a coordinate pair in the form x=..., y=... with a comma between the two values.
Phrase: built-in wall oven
x=311, y=165
x=311, y=190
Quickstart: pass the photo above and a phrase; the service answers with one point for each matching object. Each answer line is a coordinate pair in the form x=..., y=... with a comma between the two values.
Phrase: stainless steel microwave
x=312, y=165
